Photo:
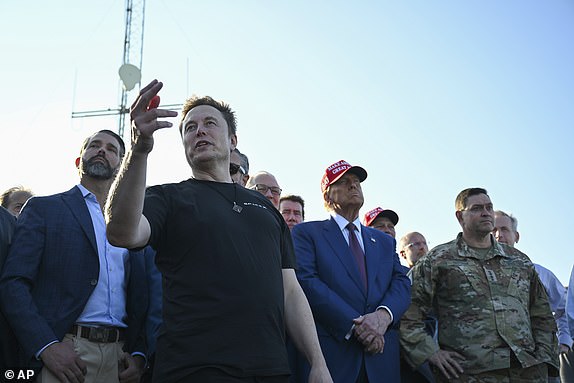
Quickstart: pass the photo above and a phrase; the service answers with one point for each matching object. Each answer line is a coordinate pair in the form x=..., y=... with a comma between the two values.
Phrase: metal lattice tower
x=130, y=70
x=133, y=50
x=131, y=63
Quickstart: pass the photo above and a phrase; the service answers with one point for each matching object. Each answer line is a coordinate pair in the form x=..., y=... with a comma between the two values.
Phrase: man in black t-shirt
x=225, y=253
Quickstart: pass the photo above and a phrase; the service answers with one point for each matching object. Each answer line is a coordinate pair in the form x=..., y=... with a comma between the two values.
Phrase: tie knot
x=351, y=227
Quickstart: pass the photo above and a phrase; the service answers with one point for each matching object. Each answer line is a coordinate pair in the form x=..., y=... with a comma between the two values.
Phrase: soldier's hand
x=447, y=363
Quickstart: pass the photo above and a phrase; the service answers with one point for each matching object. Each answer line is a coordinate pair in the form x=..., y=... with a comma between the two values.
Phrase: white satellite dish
x=130, y=76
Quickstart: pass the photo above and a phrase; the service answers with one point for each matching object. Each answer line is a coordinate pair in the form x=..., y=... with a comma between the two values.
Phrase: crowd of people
x=219, y=278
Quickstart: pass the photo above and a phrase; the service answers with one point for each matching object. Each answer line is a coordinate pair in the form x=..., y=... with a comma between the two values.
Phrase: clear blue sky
x=429, y=97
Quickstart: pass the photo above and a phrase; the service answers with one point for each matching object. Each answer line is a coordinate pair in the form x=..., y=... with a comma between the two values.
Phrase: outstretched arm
x=301, y=327
x=126, y=226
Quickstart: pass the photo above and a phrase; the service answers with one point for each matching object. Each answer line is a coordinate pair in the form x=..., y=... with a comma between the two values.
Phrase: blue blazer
x=8, y=343
x=52, y=269
x=329, y=276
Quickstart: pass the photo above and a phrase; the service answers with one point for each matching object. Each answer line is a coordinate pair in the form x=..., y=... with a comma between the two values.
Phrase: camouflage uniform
x=488, y=307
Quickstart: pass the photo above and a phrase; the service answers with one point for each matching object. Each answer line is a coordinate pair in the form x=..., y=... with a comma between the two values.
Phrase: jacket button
x=94, y=282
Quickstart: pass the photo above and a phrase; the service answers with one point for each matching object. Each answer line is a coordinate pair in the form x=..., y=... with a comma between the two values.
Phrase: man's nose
x=200, y=131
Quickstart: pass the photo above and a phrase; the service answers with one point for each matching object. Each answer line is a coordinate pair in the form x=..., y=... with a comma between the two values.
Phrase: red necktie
x=357, y=253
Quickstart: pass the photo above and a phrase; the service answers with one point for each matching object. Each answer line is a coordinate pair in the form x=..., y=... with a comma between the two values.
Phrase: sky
x=430, y=97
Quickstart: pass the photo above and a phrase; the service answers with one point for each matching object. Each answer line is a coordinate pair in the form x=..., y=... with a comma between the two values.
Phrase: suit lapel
x=74, y=199
x=372, y=255
x=342, y=251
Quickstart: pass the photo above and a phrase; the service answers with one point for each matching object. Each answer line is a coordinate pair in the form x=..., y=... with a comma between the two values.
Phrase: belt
x=99, y=334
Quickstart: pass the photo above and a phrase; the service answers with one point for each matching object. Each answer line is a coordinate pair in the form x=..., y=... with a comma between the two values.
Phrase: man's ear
x=78, y=162
x=326, y=196
x=233, y=142
x=458, y=215
x=516, y=236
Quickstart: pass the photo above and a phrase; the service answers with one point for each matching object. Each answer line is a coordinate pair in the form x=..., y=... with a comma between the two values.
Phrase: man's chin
x=203, y=158
x=484, y=232
x=99, y=172
x=100, y=177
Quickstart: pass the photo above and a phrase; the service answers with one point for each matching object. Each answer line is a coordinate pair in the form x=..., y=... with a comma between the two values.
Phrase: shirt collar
x=342, y=221
x=86, y=193
x=466, y=251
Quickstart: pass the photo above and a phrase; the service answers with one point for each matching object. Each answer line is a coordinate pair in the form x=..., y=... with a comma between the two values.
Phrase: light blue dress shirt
x=557, y=299
x=570, y=303
x=107, y=304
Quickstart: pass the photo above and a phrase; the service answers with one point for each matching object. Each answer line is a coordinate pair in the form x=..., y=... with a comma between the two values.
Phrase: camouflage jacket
x=487, y=306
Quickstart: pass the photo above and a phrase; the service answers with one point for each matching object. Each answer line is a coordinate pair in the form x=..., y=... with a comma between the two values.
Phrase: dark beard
x=97, y=170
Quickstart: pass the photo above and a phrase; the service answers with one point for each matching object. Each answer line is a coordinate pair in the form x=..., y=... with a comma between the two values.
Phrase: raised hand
x=144, y=117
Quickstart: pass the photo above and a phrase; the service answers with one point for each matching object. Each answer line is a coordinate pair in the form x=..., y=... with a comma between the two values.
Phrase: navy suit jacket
x=7, y=223
x=52, y=269
x=8, y=342
x=330, y=278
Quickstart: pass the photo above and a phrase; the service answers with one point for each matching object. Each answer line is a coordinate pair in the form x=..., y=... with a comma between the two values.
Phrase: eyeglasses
x=477, y=209
x=234, y=168
x=261, y=188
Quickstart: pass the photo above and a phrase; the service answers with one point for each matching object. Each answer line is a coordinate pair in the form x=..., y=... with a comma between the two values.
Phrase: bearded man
x=76, y=303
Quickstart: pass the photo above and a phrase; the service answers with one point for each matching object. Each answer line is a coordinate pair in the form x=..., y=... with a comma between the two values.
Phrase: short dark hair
x=108, y=132
x=5, y=197
x=296, y=199
x=225, y=109
x=462, y=197
x=244, y=160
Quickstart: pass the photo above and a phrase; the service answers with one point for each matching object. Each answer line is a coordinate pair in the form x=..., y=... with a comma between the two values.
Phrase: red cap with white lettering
x=337, y=170
x=371, y=215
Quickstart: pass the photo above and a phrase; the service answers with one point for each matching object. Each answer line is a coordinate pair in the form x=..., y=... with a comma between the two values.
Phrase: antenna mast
x=130, y=71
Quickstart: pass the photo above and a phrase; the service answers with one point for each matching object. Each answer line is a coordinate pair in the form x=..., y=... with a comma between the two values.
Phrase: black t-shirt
x=222, y=282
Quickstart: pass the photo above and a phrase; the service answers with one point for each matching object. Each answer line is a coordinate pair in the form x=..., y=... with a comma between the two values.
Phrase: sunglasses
x=234, y=168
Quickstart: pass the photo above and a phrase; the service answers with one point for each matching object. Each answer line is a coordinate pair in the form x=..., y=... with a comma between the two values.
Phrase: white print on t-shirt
x=253, y=204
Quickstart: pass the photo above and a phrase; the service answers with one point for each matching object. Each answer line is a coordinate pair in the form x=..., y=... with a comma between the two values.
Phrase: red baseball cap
x=337, y=170
x=371, y=215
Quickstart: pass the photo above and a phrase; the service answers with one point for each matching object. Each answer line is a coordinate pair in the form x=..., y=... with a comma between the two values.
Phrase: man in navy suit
x=73, y=300
x=354, y=282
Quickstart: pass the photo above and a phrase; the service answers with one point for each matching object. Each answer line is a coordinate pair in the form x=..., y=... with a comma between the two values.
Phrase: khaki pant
x=102, y=361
